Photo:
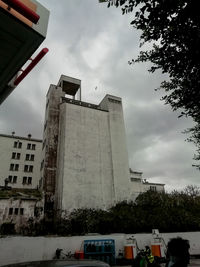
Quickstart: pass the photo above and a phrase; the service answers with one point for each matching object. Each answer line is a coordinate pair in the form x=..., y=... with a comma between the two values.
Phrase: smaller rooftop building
x=18, y=207
x=140, y=185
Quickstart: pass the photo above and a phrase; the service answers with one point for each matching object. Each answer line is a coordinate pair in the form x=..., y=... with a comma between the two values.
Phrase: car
x=60, y=263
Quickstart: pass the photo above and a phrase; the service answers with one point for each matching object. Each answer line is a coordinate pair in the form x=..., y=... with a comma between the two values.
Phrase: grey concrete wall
x=120, y=159
x=92, y=163
x=85, y=174
x=18, y=249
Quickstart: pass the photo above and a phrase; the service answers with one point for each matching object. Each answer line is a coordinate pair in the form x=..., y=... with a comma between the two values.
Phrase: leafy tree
x=123, y=216
x=169, y=212
x=192, y=191
x=173, y=30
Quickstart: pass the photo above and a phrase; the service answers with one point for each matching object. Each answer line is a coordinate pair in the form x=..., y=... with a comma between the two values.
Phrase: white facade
x=20, y=160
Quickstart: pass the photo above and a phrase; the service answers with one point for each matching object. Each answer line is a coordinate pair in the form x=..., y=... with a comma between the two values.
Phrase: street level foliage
x=169, y=212
x=172, y=31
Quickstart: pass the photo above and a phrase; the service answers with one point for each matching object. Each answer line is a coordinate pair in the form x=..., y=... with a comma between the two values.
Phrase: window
x=28, y=168
x=14, y=179
x=24, y=180
x=29, y=180
x=152, y=188
x=30, y=157
x=21, y=211
x=28, y=146
x=14, y=167
x=15, y=155
x=31, y=146
x=17, y=144
x=16, y=211
x=10, y=211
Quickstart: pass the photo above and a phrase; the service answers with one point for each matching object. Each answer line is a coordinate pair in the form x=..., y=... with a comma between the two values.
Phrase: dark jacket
x=177, y=264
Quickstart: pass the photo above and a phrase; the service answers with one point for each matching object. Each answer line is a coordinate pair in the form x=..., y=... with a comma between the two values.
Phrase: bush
x=7, y=229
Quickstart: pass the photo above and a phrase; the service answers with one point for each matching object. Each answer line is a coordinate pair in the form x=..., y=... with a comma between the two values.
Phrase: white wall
x=18, y=249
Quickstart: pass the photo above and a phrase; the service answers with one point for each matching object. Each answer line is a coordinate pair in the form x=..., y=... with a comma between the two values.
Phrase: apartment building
x=20, y=161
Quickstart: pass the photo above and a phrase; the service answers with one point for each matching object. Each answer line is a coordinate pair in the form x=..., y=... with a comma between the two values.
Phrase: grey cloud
x=20, y=117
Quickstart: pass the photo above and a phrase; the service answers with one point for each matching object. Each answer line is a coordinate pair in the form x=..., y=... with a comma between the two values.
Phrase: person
x=149, y=256
x=178, y=252
x=145, y=259
x=58, y=253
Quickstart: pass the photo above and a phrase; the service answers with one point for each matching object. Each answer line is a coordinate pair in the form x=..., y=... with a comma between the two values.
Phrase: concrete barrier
x=15, y=249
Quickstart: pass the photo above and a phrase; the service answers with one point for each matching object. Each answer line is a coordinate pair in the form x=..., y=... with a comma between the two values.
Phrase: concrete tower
x=84, y=150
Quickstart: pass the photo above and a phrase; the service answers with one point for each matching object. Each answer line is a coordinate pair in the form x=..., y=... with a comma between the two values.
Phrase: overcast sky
x=88, y=41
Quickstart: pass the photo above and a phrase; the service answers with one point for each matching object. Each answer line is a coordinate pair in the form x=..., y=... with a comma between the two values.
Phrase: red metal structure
x=23, y=10
x=23, y=29
x=31, y=66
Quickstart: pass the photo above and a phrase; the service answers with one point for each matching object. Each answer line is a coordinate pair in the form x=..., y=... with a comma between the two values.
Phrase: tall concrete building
x=85, y=159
